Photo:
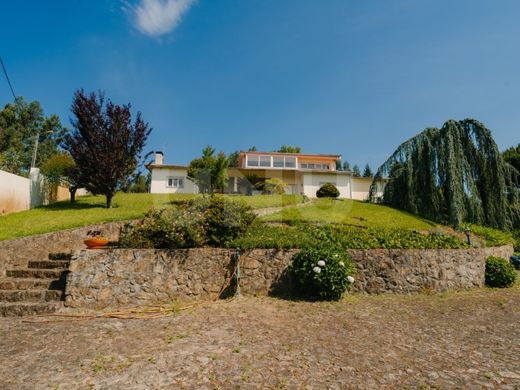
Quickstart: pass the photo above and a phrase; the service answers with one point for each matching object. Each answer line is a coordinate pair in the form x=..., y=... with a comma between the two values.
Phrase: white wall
x=313, y=181
x=160, y=181
x=14, y=193
x=361, y=188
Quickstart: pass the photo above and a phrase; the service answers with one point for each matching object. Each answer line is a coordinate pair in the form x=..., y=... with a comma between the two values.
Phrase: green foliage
x=499, y=272
x=322, y=272
x=191, y=223
x=20, y=124
x=233, y=159
x=355, y=171
x=305, y=235
x=512, y=157
x=516, y=237
x=493, y=237
x=167, y=229
x=346, y=166
x=289, y=149
x=224, y=219
x=327, y=190
x=56, y=170
x=367, y=172
x=274, y=186
x=209, y=172
x=451, y=175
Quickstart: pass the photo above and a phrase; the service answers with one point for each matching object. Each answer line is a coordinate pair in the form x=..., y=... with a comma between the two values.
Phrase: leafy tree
x=274, y=186
x=346, y=166
x=339, y=167
x=289, y=149
x=140, y=184
x=233, y=159
x=453, y=175
x=105, y=145
x=512, y=156
x=252, y=149
x=209, y=172
x=21, y=123
x=54, y=170
x=355, y=171
x=367, y=172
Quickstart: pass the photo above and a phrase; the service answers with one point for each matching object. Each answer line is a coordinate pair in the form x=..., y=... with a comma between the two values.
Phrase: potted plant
x=96, y=240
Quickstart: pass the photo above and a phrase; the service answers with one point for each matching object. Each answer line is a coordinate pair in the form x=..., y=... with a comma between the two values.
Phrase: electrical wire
x=7, y=78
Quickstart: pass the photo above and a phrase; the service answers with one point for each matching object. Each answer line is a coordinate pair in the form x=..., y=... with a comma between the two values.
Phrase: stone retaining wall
x=16, y=253
x=116, y=277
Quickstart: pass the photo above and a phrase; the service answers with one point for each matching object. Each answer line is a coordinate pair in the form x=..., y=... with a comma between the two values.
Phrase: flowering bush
x=323, y=272
x=499, y=272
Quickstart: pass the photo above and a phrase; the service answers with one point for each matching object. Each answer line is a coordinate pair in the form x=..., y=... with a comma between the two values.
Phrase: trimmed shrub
x=499, y=272
x=323, y=272
x=327, y=190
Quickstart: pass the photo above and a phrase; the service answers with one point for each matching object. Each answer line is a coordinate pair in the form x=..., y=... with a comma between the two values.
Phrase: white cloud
x=159, y=17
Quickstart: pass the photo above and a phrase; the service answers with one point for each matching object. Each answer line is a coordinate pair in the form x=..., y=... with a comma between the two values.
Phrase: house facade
x=303, y=173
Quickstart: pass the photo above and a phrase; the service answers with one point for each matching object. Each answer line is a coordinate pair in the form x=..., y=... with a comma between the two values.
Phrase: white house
x=303, y=173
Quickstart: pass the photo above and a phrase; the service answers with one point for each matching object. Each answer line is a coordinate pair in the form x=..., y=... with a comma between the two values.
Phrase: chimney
x=159, y=158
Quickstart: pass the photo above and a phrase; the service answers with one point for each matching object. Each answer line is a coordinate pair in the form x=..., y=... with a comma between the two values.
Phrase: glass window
x=252, y=161
x=290, y=162
x=278, y=162
x=175, y=182
x=265, y=161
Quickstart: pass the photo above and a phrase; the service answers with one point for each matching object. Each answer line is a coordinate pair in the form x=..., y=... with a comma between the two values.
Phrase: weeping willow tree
x=453, y=175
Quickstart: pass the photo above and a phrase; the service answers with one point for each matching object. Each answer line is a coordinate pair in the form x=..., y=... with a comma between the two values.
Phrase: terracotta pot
x=96, y=242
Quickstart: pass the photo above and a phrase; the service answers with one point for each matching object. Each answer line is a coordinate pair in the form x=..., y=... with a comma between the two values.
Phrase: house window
x=175, y=182
x=278, y=162
x=265, y=161
x=290, y=162
x=252, y=161
x=314, y=166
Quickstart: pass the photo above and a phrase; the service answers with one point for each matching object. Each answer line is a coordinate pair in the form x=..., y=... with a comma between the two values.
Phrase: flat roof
x=336, y=156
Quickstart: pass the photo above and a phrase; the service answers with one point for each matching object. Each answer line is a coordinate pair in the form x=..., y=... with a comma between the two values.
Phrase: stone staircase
x=37, y=289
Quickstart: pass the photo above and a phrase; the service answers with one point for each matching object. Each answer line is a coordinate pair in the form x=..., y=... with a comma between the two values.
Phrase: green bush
x=499, y=272
x=516, y=237
x=224, y=219
x=493, y=237
x=166, y=228
x=323, y=272
x=274, y=186
x=327, y=190
x=191, y=223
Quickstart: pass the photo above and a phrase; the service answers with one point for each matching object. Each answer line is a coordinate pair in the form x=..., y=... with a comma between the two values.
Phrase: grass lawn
x=350, y=212
x=90, y=210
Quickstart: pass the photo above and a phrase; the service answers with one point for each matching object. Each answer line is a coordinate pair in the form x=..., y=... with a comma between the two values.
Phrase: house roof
x=333, y=156
x=165, y=166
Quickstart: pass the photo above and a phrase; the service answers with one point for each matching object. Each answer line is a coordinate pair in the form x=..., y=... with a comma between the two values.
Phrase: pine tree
x=367, y=172
x=355, y=171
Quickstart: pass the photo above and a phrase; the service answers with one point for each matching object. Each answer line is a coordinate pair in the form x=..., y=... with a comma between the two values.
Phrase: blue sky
x=349, y=77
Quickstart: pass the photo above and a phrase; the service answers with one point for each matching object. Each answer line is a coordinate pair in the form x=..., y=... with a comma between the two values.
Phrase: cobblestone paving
x=453, y=341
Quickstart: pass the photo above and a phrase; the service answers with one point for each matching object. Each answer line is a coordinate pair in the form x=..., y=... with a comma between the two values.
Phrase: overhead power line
x=7, y=78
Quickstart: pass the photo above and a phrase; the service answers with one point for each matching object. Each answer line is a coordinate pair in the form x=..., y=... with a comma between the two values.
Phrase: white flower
x=336, y=255
x=321, y=263
x=350, y=279
x=317, y=269
x=342, y=264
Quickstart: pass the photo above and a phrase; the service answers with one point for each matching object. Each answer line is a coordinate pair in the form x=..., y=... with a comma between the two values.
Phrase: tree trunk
x=109, y=201
x=72, y=191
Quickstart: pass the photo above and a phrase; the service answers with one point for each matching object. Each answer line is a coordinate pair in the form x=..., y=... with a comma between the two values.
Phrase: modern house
x=303, y=173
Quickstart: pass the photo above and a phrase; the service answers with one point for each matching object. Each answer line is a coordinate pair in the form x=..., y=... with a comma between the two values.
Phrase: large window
x=290, y=162
x=314, y=166
x=175, y=182
x=265, y=161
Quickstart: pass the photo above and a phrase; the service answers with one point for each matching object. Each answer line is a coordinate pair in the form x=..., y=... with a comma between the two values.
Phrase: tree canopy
x=512, y=156
x=105, y=145
x=289, y=149
x=367, y=172
x=209, y=172
x=454, y=175
x=20, y=124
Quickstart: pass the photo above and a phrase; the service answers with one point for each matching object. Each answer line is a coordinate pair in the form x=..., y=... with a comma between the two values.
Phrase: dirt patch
x=457, y=340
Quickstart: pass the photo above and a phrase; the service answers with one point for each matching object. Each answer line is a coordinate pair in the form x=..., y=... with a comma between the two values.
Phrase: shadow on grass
x=62, y=206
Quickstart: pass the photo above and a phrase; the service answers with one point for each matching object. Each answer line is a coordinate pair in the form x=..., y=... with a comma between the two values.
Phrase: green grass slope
x=90, y=210
x=350, y=212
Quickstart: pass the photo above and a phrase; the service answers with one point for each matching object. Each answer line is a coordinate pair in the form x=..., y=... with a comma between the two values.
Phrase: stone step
x=35, y=273
x=49, y=264
x=31, y=284
x=60, y=256
x=30, y=295
x=12, y=309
